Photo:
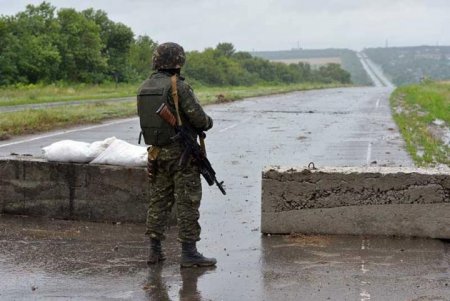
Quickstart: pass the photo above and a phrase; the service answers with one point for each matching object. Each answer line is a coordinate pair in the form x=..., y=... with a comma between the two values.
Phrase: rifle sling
x=175, y=98
x=173, y=80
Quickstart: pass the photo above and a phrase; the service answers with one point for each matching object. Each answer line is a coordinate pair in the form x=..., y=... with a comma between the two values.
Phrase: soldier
x=170, y=182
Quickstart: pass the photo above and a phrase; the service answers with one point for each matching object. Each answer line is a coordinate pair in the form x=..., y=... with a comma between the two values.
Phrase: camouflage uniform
x=173, y=183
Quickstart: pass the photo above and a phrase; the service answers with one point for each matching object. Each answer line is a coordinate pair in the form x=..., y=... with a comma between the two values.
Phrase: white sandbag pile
x=122, y=153
x=111, y=151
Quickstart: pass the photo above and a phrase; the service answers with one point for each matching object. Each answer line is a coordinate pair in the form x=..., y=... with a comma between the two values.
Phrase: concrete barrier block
x=30, y=186
x=349, y=200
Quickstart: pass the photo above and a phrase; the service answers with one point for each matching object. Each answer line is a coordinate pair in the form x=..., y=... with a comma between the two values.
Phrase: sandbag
x=99, y=147
x=75, y=151
x=123, y=153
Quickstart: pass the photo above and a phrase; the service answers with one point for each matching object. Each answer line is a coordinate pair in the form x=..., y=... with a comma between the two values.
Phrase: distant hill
x=346, y=57
x=405, y=65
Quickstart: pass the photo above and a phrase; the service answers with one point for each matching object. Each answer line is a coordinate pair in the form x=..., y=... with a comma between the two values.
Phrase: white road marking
x=364, y=294
x=378, y=103
x=229, y=127
x=369, y=153
x=67, y=132
x=363, y=267
x=234, y=125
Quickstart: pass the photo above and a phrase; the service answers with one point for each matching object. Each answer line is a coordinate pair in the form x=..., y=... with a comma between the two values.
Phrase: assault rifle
x=191, y=147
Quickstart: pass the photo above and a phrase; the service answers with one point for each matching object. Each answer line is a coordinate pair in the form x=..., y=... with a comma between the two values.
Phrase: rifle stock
x=166, y=115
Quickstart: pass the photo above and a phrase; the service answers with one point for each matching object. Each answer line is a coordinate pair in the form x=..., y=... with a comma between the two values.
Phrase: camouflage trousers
x=172, y=184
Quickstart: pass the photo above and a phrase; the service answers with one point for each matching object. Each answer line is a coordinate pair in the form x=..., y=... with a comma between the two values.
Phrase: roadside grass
x=422, y=112
x=39, y=93
x=45, y=119
x=41, y=120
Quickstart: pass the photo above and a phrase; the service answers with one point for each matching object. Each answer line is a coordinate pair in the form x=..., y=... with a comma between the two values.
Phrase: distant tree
x=29, y=52
x=305, y=71
x=242, y=55
x=8, y=67
x=225, y=49
x=203, y=67
x=40, y=45
x=116, y=38
x=80, y=46
x=334, y=72
x=140, y=56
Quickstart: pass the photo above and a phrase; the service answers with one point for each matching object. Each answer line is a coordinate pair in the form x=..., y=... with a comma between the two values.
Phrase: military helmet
x=168, y=56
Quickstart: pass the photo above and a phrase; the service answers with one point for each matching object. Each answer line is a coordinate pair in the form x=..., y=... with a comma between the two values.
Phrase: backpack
x=152, y=94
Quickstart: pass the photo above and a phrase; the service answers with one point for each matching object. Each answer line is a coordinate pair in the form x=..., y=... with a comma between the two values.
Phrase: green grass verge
x=34, y=121
x=40, y=120
x=35, y=94
x=416, y=109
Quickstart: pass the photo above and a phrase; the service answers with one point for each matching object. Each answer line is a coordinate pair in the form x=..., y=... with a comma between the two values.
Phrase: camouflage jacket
x=191, y=112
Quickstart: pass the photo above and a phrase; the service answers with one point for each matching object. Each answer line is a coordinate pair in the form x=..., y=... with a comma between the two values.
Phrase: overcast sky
x=275, y=24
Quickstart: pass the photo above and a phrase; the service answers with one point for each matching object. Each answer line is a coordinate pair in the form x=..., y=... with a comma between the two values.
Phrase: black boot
x=155, y=254
x=190, y=257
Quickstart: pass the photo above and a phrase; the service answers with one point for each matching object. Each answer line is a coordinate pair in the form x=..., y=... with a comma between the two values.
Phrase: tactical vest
x=152, y=94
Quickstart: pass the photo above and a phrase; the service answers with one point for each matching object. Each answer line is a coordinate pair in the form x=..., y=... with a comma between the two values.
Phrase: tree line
x=45, y=45
x=349, y=59
x=224, y=66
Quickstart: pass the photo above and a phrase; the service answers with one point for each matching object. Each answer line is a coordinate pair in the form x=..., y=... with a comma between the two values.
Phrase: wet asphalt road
x=62, y=260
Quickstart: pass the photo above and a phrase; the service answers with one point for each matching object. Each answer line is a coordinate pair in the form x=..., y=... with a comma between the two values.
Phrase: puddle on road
x=310, y=240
